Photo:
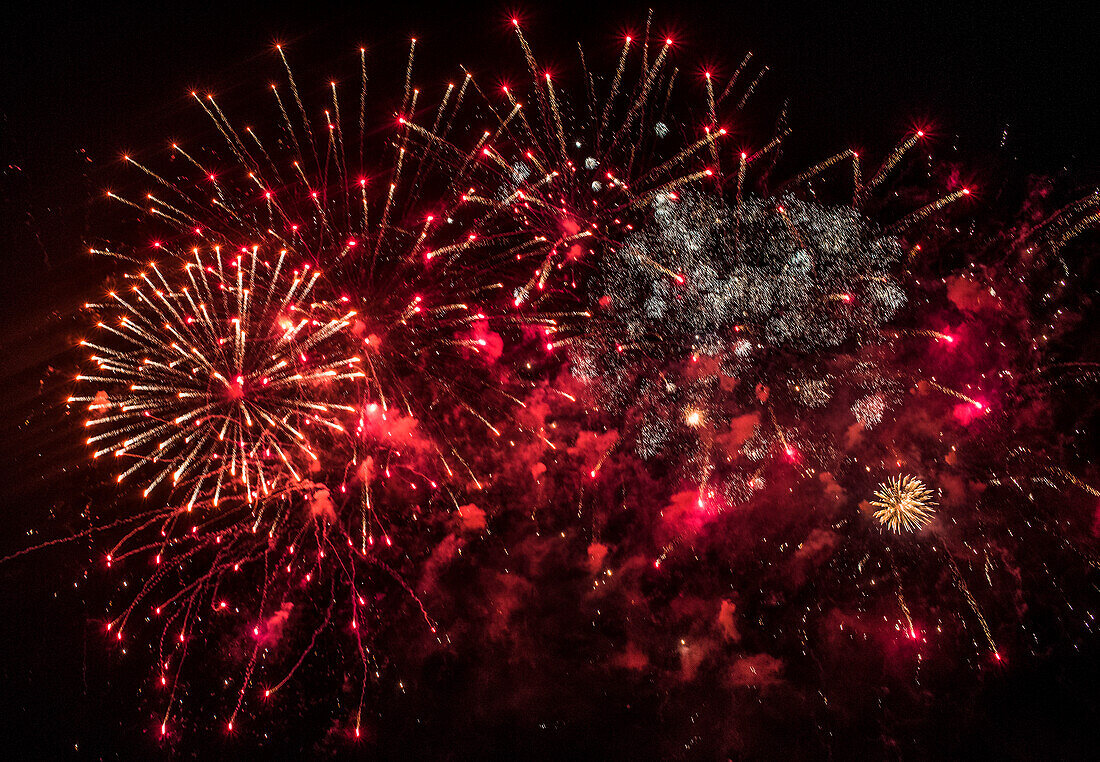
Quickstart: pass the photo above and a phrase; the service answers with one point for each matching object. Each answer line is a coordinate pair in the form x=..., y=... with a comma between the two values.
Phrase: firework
x=722, y=302
x=904, y=503
x=572, y=173
x=217, y=377
x=729, y=326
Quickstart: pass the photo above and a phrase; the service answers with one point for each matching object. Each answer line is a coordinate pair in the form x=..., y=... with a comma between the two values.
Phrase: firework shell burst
x=749, y=294
x=904, y=503
x=217, y=377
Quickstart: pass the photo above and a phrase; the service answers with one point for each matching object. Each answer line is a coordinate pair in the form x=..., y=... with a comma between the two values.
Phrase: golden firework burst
x=904, y=503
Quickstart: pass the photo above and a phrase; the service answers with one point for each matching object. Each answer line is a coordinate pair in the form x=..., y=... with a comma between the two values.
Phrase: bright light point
x=966, y=191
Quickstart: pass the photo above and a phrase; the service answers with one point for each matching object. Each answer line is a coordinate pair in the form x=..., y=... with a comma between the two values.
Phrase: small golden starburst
x=904, y=503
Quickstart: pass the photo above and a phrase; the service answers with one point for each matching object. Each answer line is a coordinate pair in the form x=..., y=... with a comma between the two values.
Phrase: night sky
x=544, y=653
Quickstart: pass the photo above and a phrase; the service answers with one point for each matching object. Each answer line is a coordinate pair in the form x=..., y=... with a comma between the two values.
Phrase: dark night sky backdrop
x=81, y=82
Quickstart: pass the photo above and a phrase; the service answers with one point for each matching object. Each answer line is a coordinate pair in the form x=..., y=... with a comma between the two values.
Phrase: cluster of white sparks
x=768, y=291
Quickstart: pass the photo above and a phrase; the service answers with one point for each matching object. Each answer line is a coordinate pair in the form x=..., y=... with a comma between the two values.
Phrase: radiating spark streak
x=915, y=217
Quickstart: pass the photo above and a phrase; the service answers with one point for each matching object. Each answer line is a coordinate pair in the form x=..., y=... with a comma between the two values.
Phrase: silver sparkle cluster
x=775, y=292
x=778, y=271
